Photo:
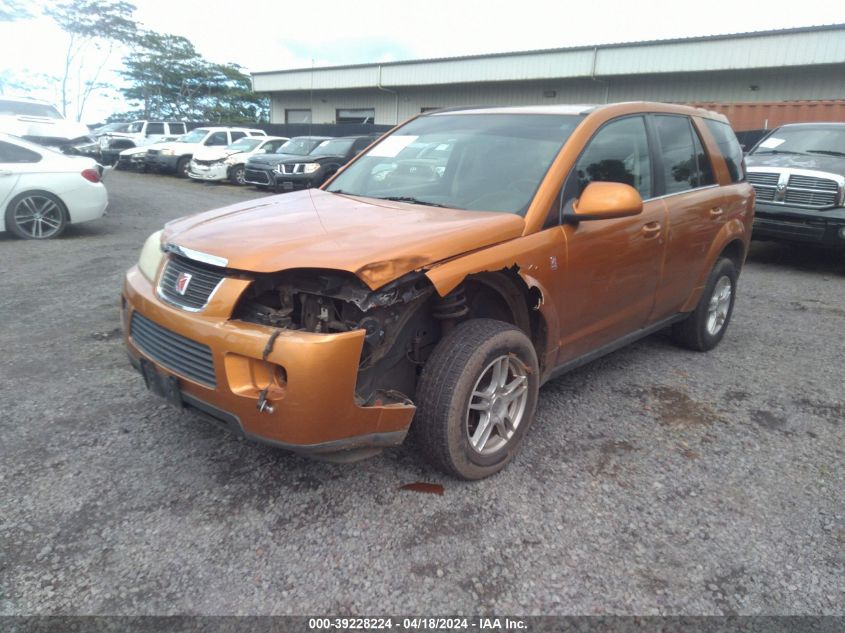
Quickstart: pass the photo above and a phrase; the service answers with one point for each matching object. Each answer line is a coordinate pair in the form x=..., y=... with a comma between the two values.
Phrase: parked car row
x=247, y=156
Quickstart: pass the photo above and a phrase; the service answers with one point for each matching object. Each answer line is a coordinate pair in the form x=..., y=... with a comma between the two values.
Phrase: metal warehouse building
x=758, y=79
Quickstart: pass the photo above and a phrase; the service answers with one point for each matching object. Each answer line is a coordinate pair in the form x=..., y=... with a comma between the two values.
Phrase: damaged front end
x=400, y=330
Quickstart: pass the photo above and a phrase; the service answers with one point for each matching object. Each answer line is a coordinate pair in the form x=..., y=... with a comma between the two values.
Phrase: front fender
x=533, y=257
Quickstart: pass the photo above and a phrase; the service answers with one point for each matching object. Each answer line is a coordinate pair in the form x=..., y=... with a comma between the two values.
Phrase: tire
x=706, y=325
x=36, y=215
x=237, y=175
x=182, y=166
x=451, y=411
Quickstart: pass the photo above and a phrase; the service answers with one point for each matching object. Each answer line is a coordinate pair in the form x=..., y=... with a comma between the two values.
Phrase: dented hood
x=378, y=241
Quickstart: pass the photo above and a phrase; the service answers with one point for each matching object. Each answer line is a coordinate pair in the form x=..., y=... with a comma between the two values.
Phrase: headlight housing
x=166, y=152
x=310, y=168
x=151, y=256
x=230, y=161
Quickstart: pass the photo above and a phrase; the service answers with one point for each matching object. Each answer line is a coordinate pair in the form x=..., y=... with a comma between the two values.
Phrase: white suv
x=176, y=156
x=228, y=163
x=137, y=134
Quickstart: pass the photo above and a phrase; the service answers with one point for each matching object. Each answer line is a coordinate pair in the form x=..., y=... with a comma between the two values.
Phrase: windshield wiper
x=411, y=200
x=777, y=151
x=829, y=152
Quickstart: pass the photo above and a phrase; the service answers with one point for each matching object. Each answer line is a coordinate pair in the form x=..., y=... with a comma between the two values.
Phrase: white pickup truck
x=137, y=134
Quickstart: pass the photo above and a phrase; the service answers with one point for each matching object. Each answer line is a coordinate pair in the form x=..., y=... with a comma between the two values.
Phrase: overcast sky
x=281, y=34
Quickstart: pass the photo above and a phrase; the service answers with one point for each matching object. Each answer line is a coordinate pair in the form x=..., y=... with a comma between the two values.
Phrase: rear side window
x=13, y=154
x=728, y=147
x=237, y=135
x=685, y=164
x=155, y=128
x=617, y=153
x=177, y=128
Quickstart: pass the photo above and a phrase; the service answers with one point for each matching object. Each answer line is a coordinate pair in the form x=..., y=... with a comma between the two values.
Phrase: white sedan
x=228, y=163
x=42, y=191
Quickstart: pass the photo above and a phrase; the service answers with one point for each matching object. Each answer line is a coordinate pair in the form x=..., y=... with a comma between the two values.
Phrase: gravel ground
x=654, y=481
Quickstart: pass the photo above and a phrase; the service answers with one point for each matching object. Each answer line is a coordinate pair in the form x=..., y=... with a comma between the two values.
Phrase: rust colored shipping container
x=771, y=114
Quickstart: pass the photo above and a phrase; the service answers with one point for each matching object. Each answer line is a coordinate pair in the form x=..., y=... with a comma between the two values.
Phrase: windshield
x=337, y=147
x=25, y=108
x=195, y=136
x=136, y=127
x=804, y=140
x=484, y=162
x=299, y=146
x=245, y=144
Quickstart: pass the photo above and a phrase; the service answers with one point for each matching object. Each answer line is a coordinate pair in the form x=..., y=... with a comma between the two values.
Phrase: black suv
x=798, y=172
x=323, y=161
x=259, y=170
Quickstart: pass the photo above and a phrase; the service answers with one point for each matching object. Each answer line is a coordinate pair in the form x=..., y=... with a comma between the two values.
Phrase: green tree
x=168, y=78
x=94, y=28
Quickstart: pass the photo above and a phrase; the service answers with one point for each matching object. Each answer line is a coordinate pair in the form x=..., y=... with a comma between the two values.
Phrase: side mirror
x=607, y=200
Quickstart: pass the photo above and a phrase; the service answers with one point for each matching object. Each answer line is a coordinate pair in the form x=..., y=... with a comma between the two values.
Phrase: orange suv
x=439, y=279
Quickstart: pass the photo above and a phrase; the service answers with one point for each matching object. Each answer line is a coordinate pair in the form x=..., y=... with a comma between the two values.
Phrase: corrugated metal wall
x=758, y=116
x=776, y=49
x=822, y=83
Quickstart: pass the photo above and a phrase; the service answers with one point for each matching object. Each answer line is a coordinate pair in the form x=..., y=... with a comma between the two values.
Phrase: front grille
x=763, y=178
x=173, y=351
x=783, y=186
x=203, y=281
x=293, y=168
x=153, y=152
x=809, y=182
x=810, y=198
x=207, y=162
x=253, y=175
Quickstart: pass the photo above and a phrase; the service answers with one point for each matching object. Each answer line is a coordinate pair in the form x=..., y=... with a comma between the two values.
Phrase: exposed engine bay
x=400, y=330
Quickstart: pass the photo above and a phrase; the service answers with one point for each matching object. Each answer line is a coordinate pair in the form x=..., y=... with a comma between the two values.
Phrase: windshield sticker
x=392, y=145
x=771, y=143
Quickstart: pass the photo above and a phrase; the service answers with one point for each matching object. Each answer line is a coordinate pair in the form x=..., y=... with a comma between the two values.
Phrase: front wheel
x=237, y=175
x=182, y=166
x=476, y=398
x=705, y=326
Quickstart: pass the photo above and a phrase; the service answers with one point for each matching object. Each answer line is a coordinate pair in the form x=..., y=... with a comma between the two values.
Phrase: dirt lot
x=656, y=480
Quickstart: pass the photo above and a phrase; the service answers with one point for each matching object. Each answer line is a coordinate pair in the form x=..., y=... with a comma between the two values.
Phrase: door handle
x=652, y=229
x=716, y=212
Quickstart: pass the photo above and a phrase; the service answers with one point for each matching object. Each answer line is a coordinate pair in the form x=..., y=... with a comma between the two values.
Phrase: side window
x=617, y=153
x=729, y=148
x=705, y=167
x=218, y=138
x=155, y=128
x=177, y=128
x=13, y=154
x=237, y=135
x=677, y=153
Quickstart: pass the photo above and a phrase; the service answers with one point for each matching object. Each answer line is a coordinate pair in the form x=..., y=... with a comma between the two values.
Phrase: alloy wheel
x=497, y=404
x=38, y=217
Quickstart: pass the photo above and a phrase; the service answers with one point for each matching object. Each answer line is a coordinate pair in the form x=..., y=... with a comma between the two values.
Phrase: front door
x=613, y=266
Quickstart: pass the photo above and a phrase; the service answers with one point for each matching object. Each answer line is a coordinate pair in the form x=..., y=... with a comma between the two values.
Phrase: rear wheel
x=476, y=398
x=705, y=326
x=36, y=215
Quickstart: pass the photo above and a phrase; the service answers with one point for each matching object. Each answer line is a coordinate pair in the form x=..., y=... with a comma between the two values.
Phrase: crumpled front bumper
x=310, y=378
x=217, y=171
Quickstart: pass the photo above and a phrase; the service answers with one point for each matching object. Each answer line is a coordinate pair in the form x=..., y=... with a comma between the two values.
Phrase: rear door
x=13, y=161
x=695, y=213
x=613, y=265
